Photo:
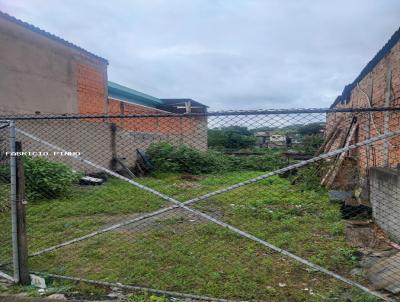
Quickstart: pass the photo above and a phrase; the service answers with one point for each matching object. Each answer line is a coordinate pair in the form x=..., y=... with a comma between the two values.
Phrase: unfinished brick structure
x=378, y=85
x=92, y=89
x=43, y=74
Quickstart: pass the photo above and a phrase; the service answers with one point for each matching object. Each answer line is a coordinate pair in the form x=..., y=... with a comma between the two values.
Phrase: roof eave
x=51, y=36
x=131, y=95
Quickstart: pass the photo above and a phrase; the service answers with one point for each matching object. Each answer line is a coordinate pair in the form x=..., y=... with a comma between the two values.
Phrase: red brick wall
x=91, y=87
x=190, y=130
x=369, y=125
x=184, y=126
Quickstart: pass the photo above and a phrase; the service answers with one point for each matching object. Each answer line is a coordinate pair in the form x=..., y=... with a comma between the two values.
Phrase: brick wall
x=191, y=131
x=374, y=85
x=91, y=88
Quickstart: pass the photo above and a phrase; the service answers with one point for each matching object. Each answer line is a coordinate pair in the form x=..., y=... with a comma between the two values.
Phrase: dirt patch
x=361, y=233
x=189, y=185
x=190, y=177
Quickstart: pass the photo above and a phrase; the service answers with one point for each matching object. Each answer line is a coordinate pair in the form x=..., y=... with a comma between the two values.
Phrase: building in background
x=45, y=74
x=42, y=74
x=127, y=101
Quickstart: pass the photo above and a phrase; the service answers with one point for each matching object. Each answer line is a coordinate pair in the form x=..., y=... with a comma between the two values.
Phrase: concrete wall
x=38, y=74
x=95, y=140
x=385, y=199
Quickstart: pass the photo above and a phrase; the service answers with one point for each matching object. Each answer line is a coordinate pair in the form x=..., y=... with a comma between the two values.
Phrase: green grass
x=193, y=256
x=4, y=197
x=183, y=188
x=84, y=210
x=303, y=222
x=204, y=260
x=79, y=290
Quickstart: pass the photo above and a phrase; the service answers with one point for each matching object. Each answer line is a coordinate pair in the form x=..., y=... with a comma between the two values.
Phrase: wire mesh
x=5, y=193
x=236, y=205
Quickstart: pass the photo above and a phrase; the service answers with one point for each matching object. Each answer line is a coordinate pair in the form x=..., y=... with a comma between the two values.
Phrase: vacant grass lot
x=179, y=252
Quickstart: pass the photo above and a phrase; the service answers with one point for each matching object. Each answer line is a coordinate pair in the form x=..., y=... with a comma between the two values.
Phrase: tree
x=231, y=137
x=312, y=128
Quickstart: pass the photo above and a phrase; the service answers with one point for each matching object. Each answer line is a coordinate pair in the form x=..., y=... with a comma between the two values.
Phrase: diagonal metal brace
x=217, y=192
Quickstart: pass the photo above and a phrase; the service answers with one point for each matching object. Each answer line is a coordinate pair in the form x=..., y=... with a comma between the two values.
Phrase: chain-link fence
x=5, y=204
x=278, y=205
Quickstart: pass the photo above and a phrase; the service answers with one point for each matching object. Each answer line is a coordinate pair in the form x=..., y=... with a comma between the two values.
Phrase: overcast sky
x=228, y=54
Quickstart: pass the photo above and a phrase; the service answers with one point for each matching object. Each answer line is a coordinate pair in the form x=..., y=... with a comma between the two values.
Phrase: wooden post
x=386, y=115
x=24, y=277
x=330, y=176
x=370, y=119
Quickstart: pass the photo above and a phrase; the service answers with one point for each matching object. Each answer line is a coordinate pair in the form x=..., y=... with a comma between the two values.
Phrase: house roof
x=181, y=102
x=48, y=35
x=133, y=96
x=127, y=94
x=179, y=106
x=345, y=96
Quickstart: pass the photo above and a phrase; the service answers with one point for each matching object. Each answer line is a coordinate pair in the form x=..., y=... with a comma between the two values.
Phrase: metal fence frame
x=185, y=204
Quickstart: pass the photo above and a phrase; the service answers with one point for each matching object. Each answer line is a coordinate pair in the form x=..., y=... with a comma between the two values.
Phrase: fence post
x=13, y=197
x=19, y=242
x=24, y=277
x=386, y=117
x=113, y=146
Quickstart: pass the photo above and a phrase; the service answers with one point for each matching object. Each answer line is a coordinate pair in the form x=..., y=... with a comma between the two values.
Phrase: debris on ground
x=385, y=273
x=355, y=211
x=125, y=169
x=117, y=293
x=360, y=233
x=379, y=259
x=339, y=196
x=143, y=164
x=57, y=297
x=90, y=181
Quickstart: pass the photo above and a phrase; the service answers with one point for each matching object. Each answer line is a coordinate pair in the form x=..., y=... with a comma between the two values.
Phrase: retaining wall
x=385, y=199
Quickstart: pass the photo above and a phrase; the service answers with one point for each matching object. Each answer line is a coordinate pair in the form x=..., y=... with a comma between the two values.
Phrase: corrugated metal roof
x=345, y=96
x=179, y=106
x=130, y=95
x=182, y=102
x=48, y=35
